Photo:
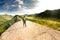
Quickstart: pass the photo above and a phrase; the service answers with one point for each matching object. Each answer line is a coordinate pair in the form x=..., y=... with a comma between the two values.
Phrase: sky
x=21, y=7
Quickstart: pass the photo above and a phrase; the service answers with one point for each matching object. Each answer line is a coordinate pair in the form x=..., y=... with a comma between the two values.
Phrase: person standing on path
x=24, y=21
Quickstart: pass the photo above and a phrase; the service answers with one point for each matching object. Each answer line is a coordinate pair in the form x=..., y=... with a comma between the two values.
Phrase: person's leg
x=24, y=24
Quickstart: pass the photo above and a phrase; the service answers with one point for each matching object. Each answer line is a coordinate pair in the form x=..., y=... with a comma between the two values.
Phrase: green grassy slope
x=6, y=21
x=54, y=24
x=50, y=18
x=4, y=18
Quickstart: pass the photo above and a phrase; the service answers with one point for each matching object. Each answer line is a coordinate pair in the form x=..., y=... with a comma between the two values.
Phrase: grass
x=4, y=22
x=47, y=22
x=7, y=23
x=4, y=18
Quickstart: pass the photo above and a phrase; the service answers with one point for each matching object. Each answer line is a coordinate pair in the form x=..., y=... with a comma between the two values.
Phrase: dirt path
x=33, y=31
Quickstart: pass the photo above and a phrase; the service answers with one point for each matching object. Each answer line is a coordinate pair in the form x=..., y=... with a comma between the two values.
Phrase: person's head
x=24, y=15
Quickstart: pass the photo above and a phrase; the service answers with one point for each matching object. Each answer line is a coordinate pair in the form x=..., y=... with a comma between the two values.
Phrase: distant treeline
x=49, y=14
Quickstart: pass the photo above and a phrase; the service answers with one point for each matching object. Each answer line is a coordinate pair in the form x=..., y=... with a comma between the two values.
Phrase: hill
x=4, y=22
x=49, y=14
x=4, y=18
x=50, y=18
x=7, y=21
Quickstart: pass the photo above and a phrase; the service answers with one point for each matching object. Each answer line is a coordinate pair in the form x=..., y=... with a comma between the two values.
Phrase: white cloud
x=42, y=5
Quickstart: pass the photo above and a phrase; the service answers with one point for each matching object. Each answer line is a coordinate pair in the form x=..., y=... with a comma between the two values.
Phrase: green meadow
x=46, y=22
x=47, y=18
x=6, y=21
